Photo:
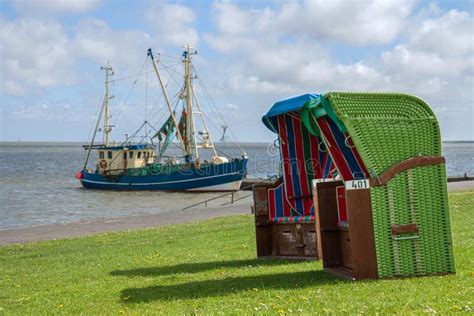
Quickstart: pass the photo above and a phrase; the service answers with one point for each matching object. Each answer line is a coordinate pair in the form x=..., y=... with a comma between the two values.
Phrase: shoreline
x=96, y=226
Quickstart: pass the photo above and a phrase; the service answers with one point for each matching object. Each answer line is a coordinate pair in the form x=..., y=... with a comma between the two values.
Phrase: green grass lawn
x=210, y=268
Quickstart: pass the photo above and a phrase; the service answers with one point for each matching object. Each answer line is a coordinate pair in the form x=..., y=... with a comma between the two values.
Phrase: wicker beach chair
x=387, y=150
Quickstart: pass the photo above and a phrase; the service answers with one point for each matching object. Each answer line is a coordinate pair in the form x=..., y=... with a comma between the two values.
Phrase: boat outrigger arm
x=165, y=94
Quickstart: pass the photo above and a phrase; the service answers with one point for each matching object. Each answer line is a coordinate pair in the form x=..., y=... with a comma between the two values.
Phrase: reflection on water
x=37, y=184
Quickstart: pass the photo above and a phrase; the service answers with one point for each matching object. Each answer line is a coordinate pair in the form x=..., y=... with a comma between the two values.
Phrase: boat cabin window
x=101, y=155
x=130, y=155
x=109, y=154
x=124, y=155
x=139, y=155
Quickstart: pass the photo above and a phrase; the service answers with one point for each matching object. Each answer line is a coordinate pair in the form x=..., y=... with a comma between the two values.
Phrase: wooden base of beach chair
x=281, y=240
x=287, y=241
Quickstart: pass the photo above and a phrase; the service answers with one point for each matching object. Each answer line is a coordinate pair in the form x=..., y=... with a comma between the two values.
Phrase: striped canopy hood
x=303, y=158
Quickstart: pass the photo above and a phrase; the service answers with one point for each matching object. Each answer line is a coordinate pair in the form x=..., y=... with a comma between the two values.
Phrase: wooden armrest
x=405, y=165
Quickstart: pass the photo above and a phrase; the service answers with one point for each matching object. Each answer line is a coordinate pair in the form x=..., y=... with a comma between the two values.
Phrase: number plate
x=357, y=184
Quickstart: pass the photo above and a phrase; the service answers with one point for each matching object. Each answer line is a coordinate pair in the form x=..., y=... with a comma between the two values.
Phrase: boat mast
x=189, y=143
x=107, y=128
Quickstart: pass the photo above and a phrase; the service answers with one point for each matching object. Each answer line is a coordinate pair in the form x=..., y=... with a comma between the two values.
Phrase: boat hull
x=219, y=177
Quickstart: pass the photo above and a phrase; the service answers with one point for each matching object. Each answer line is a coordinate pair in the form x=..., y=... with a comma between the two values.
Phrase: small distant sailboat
x=144, y=165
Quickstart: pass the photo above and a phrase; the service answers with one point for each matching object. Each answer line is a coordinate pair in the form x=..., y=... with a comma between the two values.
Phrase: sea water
x=37, y=184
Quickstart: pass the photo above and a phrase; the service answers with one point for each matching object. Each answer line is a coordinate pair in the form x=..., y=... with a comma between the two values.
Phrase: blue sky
x=251, y=54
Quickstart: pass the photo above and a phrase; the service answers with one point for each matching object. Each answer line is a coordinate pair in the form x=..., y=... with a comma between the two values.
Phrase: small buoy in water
x=79, y=175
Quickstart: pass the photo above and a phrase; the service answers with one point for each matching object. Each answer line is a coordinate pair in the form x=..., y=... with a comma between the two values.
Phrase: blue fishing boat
x=145, y=164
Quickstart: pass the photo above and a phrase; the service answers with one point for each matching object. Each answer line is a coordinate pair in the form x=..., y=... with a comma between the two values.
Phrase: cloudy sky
x=251, y=54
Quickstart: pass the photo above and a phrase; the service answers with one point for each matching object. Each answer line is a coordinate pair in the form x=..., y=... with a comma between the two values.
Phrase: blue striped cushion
x=292, y=219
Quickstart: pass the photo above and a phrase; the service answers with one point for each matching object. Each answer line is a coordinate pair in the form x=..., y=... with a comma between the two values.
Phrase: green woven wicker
x=387, y=129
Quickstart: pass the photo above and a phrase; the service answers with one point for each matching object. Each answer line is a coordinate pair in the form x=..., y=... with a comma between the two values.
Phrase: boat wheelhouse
x=115, y=159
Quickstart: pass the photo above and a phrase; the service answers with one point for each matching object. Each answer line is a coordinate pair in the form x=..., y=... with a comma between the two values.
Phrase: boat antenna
x=107, y=128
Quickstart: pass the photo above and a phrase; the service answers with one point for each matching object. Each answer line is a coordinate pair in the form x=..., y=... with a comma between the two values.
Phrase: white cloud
x=262, y=60
x=37, y=54
x=232, y=106
x=173, y=24
x=355, y=22
x=96, y=41
x=11, y=87
x=34, y=54
x=409, y=60
x=451, y=34
x=287, y=50
x=47, y=112
x=254, y=84
x=231, y=19
x=51, y=7
x=437, y=63
x=362, y=22
x=437, y=51
x=438, y=56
